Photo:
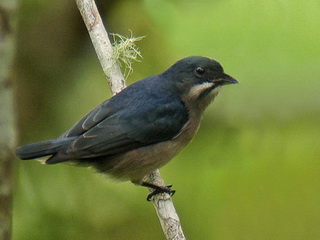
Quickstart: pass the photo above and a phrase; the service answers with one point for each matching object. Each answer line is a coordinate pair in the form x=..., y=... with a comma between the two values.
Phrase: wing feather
x=126, y=121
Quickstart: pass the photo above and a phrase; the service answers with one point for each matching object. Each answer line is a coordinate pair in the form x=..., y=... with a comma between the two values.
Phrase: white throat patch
x=198, y=89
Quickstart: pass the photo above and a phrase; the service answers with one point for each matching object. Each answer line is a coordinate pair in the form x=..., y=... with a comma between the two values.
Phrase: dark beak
x=225, y=79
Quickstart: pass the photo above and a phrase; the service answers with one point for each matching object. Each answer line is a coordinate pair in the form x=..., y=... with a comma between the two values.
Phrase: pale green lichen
x=125, y=51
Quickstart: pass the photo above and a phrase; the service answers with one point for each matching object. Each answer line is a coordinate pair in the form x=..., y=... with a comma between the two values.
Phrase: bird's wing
x=106, y=131
x=97, y=115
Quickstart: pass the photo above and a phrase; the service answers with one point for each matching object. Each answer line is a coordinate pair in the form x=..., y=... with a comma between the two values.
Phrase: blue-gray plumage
x=141, y=128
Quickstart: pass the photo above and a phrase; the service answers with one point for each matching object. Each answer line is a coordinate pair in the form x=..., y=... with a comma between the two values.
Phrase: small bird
x=141, y=128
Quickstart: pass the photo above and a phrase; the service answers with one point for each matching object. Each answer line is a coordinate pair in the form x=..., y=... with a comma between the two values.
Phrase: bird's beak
x=225, y=79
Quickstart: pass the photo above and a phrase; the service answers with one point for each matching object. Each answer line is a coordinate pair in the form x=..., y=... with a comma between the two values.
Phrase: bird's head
x=198, y=79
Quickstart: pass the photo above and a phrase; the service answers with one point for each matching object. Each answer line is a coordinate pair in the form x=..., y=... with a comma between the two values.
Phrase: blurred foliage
x=253, y=170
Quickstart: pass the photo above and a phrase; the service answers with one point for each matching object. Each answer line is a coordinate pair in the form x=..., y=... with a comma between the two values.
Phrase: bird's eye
x=200, y=71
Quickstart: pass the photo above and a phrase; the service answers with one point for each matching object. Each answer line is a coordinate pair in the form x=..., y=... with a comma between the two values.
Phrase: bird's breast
x=136, y=164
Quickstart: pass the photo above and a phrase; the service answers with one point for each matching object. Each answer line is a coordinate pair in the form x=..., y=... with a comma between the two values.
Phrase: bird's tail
x=41, y=149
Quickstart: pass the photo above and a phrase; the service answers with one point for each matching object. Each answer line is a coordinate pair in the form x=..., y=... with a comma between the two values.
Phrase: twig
x=166, y=212
x=162, y=202
x=101, y=44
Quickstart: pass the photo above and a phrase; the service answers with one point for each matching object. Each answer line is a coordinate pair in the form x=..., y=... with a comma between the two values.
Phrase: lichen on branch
x=125, y=51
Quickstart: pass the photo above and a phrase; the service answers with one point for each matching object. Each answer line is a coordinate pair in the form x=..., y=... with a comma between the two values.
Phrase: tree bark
x=7, y=123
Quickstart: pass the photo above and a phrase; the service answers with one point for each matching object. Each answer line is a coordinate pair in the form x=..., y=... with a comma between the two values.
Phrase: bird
x=141, y=128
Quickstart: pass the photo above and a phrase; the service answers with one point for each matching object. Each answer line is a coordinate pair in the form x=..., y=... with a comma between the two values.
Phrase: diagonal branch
x=162, y=202
x=101, y=44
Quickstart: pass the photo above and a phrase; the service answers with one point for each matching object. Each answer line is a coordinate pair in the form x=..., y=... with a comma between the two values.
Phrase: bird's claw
x=160, y=189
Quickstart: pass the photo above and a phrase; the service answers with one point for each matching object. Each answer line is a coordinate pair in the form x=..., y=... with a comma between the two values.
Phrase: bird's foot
x=158, y=190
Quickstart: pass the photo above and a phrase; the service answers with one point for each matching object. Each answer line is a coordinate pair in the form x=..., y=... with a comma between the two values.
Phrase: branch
x=166, y=212
x=162, y=202
x=101, y=44
x=7, y=123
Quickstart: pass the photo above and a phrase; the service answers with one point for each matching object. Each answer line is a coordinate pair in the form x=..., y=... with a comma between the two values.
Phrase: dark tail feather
x=42, y=149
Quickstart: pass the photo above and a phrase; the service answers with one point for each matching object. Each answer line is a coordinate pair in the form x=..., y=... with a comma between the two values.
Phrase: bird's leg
x=158, y=189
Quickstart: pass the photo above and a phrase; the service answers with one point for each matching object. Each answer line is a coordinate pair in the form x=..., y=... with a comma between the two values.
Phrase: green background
x=252, y=172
